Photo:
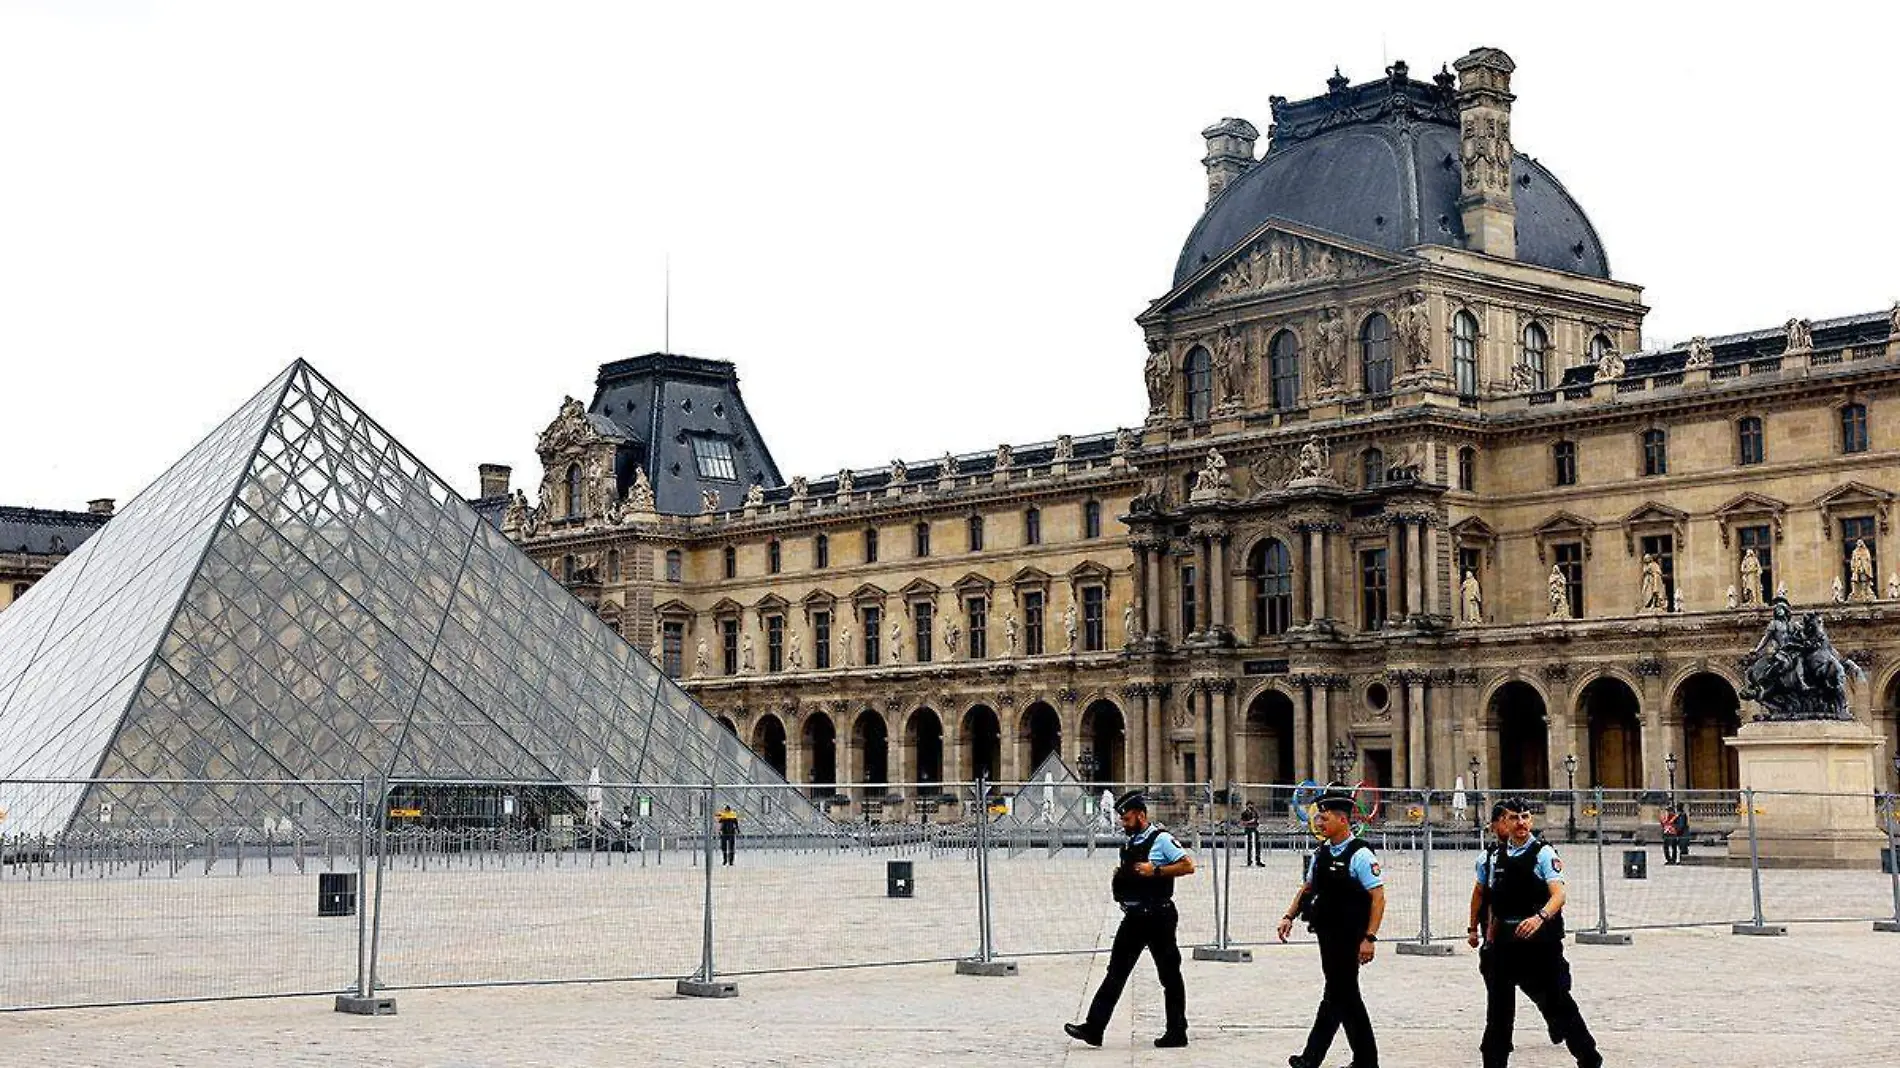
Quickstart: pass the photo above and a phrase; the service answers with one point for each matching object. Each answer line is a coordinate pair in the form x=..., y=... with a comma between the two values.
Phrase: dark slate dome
x=1378, y=163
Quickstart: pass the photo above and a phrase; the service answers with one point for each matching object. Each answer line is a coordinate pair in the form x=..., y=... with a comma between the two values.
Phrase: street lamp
x=1477, y=807
x=1669, y=762
x=1344, y=757
x=1087, y=762
x=1570, y=788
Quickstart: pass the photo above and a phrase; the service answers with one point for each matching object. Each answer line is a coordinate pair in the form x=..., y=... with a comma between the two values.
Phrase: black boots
x=1082, y=1033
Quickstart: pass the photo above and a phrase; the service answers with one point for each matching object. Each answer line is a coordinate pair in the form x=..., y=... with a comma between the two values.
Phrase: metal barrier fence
x=186, y=890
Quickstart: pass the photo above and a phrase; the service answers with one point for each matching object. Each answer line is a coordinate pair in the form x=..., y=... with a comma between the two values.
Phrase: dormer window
x=713, y=456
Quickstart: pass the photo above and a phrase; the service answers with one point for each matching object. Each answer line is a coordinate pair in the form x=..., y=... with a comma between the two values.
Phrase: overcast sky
x=914, y=229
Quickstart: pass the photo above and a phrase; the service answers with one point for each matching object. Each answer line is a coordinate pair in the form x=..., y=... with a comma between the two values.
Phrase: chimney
x=1484, y=152
x=495, y=479
x=102, y=506
x=1229, y=153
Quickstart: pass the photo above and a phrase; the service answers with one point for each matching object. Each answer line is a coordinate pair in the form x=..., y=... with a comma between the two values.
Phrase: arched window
x=1464, y=353
x=1272, y=571
x=1092, y=519
x=1748, y=441
x=1200, y=384
x=1854, y=428
x=573, y=490
x=976, y=533
x=1372, y=467
x=1536, y=355
x=1468, y=469
x=1601, y=346
x=1283, y=371
x=1375, y=353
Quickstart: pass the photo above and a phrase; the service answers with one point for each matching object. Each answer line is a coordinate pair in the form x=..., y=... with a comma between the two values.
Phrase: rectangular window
x=1854, y=530
x=1467, y=470
x=1655, y=453
x=1663, y=548
x=1094, y=638
x=673, y=565
x=1372, y=601
x=1760, y=539
x=1032, y=527
x=1854, y=428
x=1564, y=453
x=873, y=648
x=673, y=649
x=1032, y=622
x=1190, y=592
x=1748, y=441
x=870, y=545
x=713, y=456
x=1092, y=519
x=923, y=539
x=922, y=617
x=976, y=533
x=821, y=551
x=821, y=640
x=1570, y=562
x=729, y=645
x=773, y=561
x=732, y=562
x=979, y=623
x=775, y=643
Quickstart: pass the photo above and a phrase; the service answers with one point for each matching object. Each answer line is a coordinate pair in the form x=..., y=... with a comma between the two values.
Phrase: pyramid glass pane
x=300, y=599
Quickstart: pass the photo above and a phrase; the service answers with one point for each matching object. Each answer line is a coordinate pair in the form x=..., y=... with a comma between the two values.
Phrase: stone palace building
x=1407, y=493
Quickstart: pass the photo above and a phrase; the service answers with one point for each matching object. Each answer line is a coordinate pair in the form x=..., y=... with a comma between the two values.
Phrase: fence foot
x=358, y=1006
x=1889, y=926
x=699, y=988
x=972, y=966
x=1226, y=955
x=1765, y=930
x=1603, y=938
x=1424, y=949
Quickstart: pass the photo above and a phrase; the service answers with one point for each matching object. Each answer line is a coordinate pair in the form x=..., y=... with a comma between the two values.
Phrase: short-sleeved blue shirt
x=1548, y=868
x=1165, y=849
x=1365, y=866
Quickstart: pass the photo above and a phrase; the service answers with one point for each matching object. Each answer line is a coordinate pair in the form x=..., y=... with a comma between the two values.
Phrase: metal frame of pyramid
x=300, y=599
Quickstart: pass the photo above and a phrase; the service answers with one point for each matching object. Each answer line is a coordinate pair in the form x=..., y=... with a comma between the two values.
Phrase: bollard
x=1602, y=936
x=1425, y=947
x=1758, y=927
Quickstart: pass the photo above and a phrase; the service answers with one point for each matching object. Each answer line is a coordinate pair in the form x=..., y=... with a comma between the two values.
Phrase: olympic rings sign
x=1366, y=805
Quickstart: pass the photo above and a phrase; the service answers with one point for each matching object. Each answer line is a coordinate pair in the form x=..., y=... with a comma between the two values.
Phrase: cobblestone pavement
x=1673, y=999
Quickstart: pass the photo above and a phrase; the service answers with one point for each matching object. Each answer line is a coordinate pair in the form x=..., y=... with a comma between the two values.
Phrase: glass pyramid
x=300, y=599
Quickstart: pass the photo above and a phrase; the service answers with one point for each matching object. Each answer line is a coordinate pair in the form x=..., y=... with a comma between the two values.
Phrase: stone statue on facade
x=747, y=661
x=1005, y=458
x=1731, y=597
x=1068, y=625
x=1610, y=366
x=1751, y=577
x=1860, y=565
x=516, y=514
x=952, y=637
x=1315, y=460
x=801, y=487
x=1893, y=587
x=1009, y=634
x=1652, y=598
x=795, y=652
x=1473, y=598
x=1065, y=448
x=1800, y=335
x=1128, y=622
x=895, y=654
x=1160, y=376
x=708, y=501
x=1559, y=593
x=847, y=653
x=1677, y=606
x=899, y=473
x=1227, y=361
x=1838, y=591
x=1893, y=320
x=1125, y=441
x=701, y=662
x=657, y=651
x=844, y=483
x=1701, y=354
x=1329, y=339
x=1794, y=673
x=1523, y=380
x=1212, y=483
x=754, y=496
x=1415, y=330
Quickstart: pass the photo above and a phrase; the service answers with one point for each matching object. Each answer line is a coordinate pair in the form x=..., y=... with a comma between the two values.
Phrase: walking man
x=1250, y=825
x=1517, y=918
x=1343, y=901
x=1143, y=886
x=728, y=833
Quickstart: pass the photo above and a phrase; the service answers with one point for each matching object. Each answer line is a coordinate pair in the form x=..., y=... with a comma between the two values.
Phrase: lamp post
x=1570, y=789
x=1088, y=765
x=1669, y=762
x=1477, y=799
x=1344, y=757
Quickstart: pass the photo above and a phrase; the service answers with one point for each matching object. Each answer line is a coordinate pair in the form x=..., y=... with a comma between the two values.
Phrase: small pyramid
x=300, y=599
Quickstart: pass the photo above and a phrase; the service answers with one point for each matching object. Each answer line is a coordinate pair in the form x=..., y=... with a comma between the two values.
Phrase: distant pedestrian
x=1250, y=825
x=728, y=833
x=1143, y=886
x=1675, y=831
x=1343, y=901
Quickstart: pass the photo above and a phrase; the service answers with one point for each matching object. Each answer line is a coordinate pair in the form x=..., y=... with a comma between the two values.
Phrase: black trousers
x=1539, y=969
x=1153, y=931
x=1253, y=845
x=728, y=843
x=1341, y=1004
x=1672, y=848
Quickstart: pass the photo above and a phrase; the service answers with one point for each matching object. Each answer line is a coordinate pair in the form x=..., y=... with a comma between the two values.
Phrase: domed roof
x=1379, y=163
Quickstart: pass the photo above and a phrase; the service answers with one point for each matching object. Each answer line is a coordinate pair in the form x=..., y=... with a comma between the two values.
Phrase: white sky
x=914, y=229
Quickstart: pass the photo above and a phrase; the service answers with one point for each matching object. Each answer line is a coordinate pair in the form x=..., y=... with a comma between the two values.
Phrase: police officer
x=728, y=833
x=1343, y=900
x=1144, y=887
x=1517, y=918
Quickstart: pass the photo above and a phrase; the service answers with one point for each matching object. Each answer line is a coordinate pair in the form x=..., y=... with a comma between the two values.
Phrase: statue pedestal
x=1828, y=820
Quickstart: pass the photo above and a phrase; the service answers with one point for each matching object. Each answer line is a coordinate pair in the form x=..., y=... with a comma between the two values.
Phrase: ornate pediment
x=726, y=606
x=1089, y=572
x=1650, y=518
x=1562, y=527
x=1744, y=507
x=1030, y=576
x=869, y=592
x=1279, y=256
x=1850, y=498
x=920, y=589
x=772, y=602
x=973, y=585
x=818, y=599
x=673, y=609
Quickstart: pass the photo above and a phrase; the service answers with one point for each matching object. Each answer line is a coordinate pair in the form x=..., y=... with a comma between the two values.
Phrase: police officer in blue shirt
x=1517, y=918
x=1343, y=901
x=1144, y=887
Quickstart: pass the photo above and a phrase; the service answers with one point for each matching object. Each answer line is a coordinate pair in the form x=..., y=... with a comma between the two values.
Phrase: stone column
x=1203, y=571
x=1135, y=696
x=1154, y=710
x=1303, y=731
x=1322, y=730
x=1399, y=706
x=1220, y=695
x=1217, y=583
x=1012, y=770
x=1151, y=610
x=1394, y=570
x=1324, y=607
x=1419, y=749
x=1430, y=567
x=1414, y=569
x=797, y=758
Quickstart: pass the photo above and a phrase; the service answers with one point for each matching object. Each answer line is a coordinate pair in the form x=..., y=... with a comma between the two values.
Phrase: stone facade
x=1400, y=500
x=34, y=540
